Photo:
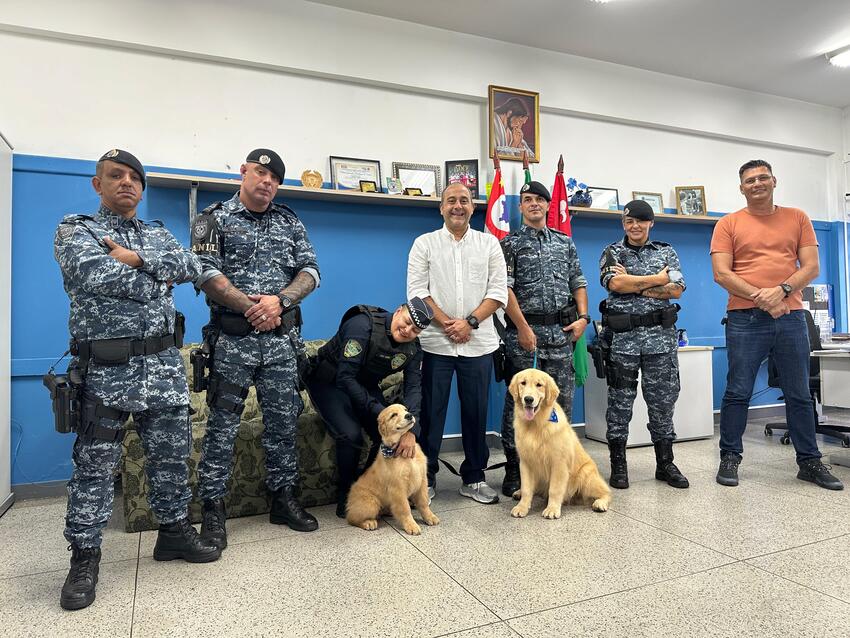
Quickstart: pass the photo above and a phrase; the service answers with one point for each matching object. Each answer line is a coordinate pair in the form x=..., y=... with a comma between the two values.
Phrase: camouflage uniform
x=111, y=300
x=652, y=349
x=543, y=270
x=259, y=254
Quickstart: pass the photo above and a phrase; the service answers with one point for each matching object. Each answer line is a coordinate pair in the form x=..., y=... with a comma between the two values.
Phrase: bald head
x=455, y=190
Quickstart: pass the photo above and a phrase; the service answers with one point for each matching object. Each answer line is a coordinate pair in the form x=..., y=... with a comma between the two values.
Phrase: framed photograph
x=416, y=192
x=514, y=119
x=394, y=186
x=653, y=199
x=368, y=186
x=463, y=172
x=425, y=177
x=607, y=198
x=346, y=172
x=690, y=200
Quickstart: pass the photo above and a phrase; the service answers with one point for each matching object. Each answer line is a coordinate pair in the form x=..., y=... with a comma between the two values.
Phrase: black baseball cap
x=420, y=312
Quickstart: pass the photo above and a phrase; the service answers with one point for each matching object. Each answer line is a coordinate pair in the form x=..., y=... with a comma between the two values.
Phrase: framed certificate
x=348, y=172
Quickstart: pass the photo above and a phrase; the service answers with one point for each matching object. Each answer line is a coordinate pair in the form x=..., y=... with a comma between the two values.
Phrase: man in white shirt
x=461, y=274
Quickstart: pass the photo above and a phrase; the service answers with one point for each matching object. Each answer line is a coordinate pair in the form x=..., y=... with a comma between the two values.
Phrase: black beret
x=639, y=209
x=269, y=159
x=535, y=188
x=420, y=312
x=127, y=159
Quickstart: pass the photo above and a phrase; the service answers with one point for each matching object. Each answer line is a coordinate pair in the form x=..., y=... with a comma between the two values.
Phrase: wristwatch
x=472, y=320
x=787, y=288
x=586, y=317
x=285, y=302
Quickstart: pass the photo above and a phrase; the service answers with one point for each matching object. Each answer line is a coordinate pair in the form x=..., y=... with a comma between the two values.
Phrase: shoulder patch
x=398, y=361
x=352, y=349
x=65, y=230
x=205, y=237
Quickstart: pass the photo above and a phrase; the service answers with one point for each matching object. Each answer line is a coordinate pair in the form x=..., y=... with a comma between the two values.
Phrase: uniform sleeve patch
x=65, y=231
x=352, y=349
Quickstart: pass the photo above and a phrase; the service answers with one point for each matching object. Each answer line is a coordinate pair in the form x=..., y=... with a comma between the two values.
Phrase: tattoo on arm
x=224, y=293
x=667, y=291
x=300, y=287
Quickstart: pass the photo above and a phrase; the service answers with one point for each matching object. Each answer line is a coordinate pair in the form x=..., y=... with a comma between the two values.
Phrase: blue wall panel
x=362, y=254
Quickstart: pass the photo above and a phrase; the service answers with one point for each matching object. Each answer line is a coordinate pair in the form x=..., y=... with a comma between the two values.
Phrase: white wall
x=5, y=322
x=195, y=84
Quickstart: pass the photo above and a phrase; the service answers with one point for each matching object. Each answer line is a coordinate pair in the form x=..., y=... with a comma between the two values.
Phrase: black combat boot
x=180, y=540
x=816, y=472
x=78, y=590
x=341, y=499
x=213, y=529
x=665, y=469
x=286, y=510
x=619, y=469
x=512, y=482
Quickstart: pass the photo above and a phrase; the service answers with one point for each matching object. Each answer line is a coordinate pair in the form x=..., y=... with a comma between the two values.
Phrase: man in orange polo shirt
x=764, y=255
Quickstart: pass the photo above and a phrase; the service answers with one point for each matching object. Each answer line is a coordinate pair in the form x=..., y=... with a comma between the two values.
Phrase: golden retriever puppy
x=391, y=480
x=552, y=461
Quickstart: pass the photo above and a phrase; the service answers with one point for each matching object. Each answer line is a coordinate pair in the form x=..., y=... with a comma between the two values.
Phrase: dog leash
x=452, y=469
x=534, y=362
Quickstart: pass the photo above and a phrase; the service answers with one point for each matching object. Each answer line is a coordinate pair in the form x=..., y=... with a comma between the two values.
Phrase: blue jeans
x=751, y=335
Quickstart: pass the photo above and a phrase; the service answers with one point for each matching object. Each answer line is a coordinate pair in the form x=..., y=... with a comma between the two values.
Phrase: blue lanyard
x=534, y=363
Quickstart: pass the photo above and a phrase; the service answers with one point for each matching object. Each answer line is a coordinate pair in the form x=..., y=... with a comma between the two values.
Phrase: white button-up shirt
x=458, y=276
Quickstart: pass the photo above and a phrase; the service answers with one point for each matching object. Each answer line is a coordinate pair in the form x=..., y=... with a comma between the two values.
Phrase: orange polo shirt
x=764, y=249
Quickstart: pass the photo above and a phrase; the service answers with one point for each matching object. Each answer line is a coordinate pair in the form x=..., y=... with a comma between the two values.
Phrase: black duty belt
x=625, y=321
x=563, y=317
x=118, y=351
x=237, y=325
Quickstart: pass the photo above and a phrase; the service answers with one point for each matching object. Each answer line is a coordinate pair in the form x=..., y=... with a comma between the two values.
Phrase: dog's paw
x=413, y=529
x=519, y=511
x=517, y=495
x=552, y=511
x=600, y=505
x=369, y=525
x=431, y=519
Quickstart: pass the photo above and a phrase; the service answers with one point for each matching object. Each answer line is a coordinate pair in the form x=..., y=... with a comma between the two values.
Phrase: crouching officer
x=546, y=311
x=258, y=264
x=343, y=381
x=118, y=272
x=641, y=276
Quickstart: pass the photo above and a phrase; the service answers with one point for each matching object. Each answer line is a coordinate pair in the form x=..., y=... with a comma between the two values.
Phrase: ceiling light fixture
x=839, y=57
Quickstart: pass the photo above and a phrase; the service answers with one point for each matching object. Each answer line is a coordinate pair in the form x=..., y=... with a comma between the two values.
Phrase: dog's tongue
x=529, y=413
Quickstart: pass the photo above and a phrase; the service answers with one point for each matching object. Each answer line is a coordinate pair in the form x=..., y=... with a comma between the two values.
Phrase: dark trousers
x=473, y=384
x=751, y=335
x=346, y=426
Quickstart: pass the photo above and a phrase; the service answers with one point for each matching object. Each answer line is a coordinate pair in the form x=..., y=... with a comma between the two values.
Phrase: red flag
x=497, y=221
x=559, y=213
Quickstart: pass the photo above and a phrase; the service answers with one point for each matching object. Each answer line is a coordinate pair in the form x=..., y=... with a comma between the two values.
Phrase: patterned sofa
x=247, y=493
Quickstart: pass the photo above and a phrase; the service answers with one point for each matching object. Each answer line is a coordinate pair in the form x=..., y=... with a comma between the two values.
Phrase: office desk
x=693, y=417
x=834, y=377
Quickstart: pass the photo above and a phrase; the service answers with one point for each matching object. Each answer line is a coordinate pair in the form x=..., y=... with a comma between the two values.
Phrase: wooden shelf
x=171, y=180
x=576, y=211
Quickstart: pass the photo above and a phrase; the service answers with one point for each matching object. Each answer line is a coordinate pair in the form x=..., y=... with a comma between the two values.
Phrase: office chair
x=828, y=429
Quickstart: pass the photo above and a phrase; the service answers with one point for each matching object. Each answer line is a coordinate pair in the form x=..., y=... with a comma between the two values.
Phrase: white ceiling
x=770, y=46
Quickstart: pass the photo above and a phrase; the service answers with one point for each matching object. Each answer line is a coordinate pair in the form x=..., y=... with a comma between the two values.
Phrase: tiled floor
x=769, y=558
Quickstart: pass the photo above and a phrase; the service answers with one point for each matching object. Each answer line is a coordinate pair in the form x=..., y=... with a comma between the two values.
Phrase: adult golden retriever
x=552, y=461
x=391, y=480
